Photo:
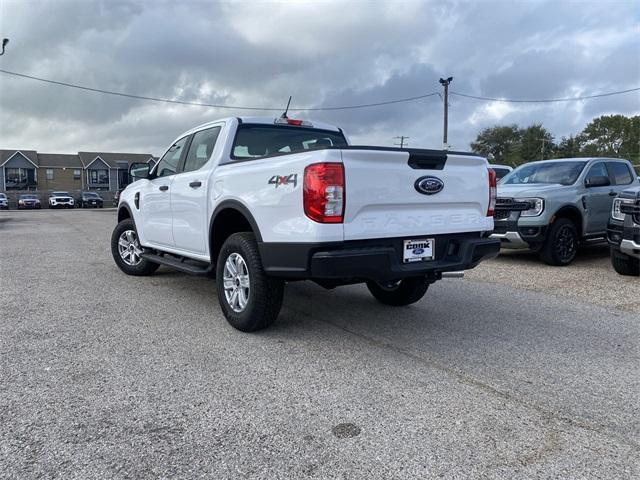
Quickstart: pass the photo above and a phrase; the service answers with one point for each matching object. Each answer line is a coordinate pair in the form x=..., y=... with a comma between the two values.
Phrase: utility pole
x=4, y=44
x=402, y=141
x=445, y=84
x=543, y=142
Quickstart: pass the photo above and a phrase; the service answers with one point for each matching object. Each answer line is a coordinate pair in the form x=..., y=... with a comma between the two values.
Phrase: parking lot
x=517, y=371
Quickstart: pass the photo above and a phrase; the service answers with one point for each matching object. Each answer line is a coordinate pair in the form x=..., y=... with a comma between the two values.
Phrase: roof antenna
x=284, y=115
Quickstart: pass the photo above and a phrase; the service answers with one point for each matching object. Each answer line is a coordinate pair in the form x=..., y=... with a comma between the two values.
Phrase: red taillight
x=492, y=192
x=323, y=192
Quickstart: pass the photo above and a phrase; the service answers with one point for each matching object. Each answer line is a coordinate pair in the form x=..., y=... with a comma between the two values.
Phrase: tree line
x=605, y=136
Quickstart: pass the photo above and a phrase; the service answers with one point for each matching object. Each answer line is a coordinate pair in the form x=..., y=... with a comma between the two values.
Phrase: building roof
x=59, y=160
x=76, y=160
x=112, y=159
x=7, y=154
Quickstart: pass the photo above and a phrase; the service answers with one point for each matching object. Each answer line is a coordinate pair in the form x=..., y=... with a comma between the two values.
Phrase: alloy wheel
x=565, y=243
x=236, y=282
x=129, y=248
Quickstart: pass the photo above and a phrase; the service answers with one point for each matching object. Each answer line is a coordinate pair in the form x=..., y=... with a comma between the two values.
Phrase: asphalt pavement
x=108, y=376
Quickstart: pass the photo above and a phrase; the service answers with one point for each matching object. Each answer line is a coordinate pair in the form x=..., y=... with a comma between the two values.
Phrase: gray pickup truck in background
x=553, y=206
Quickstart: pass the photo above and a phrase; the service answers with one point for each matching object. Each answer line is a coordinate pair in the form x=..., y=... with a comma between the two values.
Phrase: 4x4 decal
x=278, y=180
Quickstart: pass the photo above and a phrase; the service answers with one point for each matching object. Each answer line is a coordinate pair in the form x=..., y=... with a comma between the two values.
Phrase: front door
x=189, y=194
x=155, y=198
x=598, y=201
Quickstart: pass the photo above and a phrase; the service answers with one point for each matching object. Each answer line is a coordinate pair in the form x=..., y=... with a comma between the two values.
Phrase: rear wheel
x=399, y=293
x=249, y=298
x=561, y=245
x=127, y=251
x=625, y=264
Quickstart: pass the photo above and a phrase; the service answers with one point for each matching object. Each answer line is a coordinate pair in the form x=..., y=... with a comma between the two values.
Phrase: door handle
x=195, y=184
x=164, y=188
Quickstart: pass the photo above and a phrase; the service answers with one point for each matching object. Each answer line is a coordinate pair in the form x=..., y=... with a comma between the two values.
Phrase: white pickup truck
x=257, y=202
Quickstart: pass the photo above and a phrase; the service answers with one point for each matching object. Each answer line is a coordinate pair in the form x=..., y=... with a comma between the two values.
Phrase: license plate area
x=418, y=250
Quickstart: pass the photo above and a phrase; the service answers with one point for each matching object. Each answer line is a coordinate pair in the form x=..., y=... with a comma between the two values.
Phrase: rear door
x=396, y=193
x=189, y=194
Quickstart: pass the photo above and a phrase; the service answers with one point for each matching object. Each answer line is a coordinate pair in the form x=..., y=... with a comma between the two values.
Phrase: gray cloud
x=323, y=53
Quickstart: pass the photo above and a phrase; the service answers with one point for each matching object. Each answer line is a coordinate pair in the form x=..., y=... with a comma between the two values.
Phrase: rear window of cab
x=253, y=141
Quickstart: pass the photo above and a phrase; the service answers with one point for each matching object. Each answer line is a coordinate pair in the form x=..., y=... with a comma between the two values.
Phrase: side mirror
x=139, y=170
x=600, y=181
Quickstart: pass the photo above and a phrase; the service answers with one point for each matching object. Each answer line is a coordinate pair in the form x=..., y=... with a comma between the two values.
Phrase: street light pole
x=445, y=83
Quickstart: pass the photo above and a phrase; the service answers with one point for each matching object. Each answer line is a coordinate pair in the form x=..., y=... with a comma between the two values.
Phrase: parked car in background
x=89, y=200
x=623, y=232
x=501, y=170
x=552, y=206
x=116, y=197
x=4, y=202
x=28, y=200
x=61, y=200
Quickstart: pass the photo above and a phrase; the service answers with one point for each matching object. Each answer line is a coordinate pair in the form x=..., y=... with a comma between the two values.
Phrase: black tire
x=143, y=267
x=625, y=264
x=561, y=245
x=404, y=292
x=264, y=297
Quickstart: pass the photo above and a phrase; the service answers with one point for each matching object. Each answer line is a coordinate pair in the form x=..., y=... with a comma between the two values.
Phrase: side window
x=201, y=148
x=597, y=170
x=168, y=165
x=620, y=173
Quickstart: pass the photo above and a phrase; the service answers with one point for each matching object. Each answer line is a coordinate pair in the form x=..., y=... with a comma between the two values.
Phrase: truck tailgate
x=382, y=199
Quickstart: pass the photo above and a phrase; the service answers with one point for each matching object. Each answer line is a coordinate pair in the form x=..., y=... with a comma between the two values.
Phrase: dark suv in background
x=89, y=200
x=623, y=232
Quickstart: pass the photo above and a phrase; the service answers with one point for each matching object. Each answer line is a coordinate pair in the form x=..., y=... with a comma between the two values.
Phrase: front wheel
x=561, y=245
x=127, y=251
x=249, y=298
x=399, y=293
x=625, y=264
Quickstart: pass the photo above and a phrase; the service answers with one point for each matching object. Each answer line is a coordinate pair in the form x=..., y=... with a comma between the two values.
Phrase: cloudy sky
x=323, y=53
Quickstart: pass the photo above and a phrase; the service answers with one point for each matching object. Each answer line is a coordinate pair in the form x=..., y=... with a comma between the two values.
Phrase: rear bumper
x=379, y=259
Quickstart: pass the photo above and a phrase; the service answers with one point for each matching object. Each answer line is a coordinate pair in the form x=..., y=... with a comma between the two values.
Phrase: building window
x=49, y=173
x=99, y=177
x=76, y=174
x=20, y=178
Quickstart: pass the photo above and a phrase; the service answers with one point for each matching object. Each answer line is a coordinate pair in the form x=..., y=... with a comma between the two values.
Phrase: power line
x=308, y=109
x=548, y=100
x=182, y=102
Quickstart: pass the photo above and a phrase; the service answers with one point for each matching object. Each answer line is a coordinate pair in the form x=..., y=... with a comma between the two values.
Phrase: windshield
x=257, y=141
x=564, y=173
x=61, y=194
x=91, y=194
x=2, y=195
x=28, y=197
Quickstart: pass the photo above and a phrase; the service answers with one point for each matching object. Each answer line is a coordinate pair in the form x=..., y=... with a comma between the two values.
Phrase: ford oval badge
x=429, y=185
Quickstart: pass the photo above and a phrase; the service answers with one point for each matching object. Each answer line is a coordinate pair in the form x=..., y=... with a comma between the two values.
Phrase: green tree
x=536, y=143
x=613, y=135
x=569, y=147
x=498, y=143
